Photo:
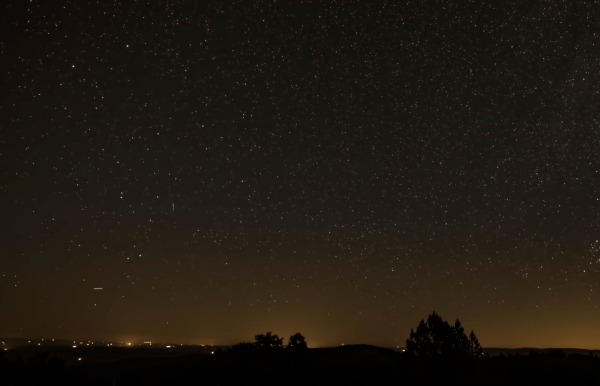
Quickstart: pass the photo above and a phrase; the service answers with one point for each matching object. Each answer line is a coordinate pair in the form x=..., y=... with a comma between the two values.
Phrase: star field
x=338, y=168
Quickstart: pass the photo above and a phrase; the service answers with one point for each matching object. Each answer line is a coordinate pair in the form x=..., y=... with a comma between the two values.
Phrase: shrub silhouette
x=436, y=338
x=297, y=341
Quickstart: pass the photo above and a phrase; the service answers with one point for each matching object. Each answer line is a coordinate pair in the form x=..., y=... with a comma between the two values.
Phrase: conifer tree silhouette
x=436, y=338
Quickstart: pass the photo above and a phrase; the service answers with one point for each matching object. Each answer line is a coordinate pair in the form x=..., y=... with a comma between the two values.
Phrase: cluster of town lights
x=77, y=344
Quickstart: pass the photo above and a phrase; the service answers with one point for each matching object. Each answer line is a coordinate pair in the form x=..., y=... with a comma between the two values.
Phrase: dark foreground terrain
x=348, y=365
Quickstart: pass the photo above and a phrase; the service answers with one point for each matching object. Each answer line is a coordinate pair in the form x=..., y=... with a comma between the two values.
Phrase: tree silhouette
x=436, y=338
x=267, y=340
x=475, y=348
x=297, y=341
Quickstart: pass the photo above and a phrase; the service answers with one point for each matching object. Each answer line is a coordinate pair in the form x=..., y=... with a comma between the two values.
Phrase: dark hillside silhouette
x=41, y=369
x=441, y=354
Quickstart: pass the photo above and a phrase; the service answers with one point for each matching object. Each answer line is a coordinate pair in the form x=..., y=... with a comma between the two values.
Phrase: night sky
x=338, y=168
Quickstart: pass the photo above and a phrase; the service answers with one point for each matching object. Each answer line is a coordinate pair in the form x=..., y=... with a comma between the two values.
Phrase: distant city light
x=74, y=346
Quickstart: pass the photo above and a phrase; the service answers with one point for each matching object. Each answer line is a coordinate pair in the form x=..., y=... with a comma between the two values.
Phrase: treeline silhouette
x=270, y=341
x=437, y=352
